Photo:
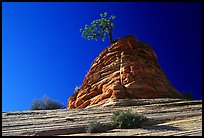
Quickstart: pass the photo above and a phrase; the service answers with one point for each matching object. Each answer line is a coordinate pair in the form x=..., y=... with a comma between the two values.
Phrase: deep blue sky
x=43, y=52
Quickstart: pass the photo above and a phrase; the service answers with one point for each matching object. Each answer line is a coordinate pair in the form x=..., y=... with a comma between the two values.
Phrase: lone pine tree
x=99, y=28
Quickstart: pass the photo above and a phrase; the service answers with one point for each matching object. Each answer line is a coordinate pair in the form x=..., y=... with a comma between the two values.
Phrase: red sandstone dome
x=128, y=68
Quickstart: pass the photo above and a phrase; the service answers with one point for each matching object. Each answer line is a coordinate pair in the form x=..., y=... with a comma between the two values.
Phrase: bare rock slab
x=167, y=117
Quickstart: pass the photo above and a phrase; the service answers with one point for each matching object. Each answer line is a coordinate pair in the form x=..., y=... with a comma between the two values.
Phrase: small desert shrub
x=121, y=119
x=95, y=127
x=76, y=89
x=45, y=104
x=127, y=119
x=188, y=95
x=36, y=105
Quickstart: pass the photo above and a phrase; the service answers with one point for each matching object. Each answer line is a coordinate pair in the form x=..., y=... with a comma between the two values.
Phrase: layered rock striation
x=166, y=117
x=128, y=68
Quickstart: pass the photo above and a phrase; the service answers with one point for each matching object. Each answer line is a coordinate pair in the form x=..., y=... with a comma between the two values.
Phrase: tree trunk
x=110, y=34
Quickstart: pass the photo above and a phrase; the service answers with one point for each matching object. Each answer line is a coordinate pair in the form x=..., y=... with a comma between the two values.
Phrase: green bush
x=127, y=119
x=45, y=104
x=121, y=119
x=188, y=95
x=96, y=127
x=77, y=89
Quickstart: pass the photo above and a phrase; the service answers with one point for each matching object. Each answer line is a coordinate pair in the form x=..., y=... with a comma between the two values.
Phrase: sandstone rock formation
x=128, y=68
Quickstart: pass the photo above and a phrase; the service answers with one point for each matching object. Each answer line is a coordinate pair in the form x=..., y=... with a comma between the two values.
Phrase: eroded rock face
x=128, y=68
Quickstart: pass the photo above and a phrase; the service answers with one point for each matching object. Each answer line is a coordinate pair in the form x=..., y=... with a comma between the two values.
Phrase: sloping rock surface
x=166, y=117
x=128, y=68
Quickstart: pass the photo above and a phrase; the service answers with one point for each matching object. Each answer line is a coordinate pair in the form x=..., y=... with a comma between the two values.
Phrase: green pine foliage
x=99, y=28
